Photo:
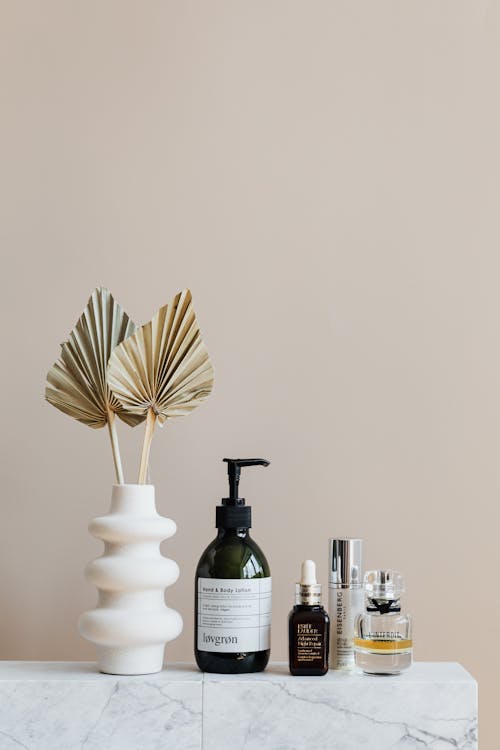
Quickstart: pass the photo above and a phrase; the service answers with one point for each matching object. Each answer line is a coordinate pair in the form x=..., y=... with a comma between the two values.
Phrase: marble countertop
x=70, y=706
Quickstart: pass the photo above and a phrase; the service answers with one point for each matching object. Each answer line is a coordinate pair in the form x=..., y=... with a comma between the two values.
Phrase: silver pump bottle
x=345, y=598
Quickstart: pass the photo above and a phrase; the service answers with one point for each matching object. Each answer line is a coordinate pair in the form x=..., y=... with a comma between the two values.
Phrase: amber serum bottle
x=308, y=627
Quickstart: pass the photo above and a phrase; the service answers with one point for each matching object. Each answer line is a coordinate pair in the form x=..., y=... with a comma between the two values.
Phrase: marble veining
x=101, y=712
x=433, y=705
x=63, y=706
x=326, y=722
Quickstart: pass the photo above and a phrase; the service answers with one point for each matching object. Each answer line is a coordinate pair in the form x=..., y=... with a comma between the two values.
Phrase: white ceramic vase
x=131, y=624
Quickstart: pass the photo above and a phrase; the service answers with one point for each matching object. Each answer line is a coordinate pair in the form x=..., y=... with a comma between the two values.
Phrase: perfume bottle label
x=234, y=615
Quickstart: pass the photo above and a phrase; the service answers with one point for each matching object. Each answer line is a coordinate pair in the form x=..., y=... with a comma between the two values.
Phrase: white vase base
x=134, y=660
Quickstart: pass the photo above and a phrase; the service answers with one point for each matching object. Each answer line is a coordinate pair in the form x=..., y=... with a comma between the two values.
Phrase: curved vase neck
x=133, y=498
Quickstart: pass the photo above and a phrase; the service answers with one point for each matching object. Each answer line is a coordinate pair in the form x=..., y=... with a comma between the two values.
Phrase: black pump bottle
x=233, y=589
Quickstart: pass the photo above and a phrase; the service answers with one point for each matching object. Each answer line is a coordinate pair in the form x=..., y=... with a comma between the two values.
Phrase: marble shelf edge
x=421, y=671
x=433, y=703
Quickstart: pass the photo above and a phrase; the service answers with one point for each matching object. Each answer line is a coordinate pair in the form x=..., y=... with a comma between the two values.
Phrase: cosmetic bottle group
x=368, y=629
x=364, y=627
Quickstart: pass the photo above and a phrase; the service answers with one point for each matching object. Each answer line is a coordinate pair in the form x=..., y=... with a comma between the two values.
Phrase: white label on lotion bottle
x=234, y=614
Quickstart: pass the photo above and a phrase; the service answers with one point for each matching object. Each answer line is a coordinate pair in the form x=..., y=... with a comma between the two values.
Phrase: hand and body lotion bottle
x=233, y=590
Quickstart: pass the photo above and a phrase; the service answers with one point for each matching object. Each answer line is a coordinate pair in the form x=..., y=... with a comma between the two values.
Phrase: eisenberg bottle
x=345, y=599
x=383, y=639
x=233, y=589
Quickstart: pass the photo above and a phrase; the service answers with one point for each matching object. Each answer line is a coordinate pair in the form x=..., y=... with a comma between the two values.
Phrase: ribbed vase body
x=131, y=624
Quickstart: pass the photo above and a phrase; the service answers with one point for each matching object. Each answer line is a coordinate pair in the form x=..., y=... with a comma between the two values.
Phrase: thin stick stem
x=146, y=446
x=113, y=435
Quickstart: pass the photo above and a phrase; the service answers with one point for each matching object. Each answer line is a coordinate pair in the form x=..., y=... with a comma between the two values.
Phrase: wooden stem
x=113, y=435
x=146, y=446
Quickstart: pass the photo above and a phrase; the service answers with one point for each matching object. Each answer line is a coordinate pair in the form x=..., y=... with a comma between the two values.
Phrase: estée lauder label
x=234, y=615
x=310, y=643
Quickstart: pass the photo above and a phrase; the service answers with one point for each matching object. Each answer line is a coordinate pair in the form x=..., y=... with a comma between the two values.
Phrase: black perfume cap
x=233, y=513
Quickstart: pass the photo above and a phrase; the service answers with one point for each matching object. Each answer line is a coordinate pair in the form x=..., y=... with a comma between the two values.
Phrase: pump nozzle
x=233, y=471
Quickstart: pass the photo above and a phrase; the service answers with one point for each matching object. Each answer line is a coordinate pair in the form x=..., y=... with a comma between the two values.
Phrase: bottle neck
x=308, y=594
x=383, y=606
x=241, y=533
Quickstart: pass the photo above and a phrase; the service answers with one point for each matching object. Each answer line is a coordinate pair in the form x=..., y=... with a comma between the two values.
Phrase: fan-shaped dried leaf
x=164, y=366
x=77, y=381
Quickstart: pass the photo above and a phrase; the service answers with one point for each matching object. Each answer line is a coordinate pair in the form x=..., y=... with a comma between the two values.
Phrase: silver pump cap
x=384, y=585
x=346, y=562
x=308, y=590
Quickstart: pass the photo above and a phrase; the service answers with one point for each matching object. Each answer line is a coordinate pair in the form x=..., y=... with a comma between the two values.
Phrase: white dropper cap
x=308, y=573
x=308, y=591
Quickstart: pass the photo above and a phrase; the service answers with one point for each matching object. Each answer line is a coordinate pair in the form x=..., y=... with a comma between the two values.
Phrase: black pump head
x=233, y=513
x=233, y=471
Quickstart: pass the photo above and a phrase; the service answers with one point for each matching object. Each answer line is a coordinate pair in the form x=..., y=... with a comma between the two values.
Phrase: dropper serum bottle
x=308, y=626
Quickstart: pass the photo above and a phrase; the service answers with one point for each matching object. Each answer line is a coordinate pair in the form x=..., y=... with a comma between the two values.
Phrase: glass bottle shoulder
x=307, y=613
x=233, y=556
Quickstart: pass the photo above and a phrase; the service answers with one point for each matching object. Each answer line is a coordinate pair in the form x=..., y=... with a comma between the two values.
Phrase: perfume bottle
x=308, y=626
x=382, y=638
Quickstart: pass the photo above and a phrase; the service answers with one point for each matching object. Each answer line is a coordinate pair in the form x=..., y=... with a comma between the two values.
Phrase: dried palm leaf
x=77, y=381
x=163, y=370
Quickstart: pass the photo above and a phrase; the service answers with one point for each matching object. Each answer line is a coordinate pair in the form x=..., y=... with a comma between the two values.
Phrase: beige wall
x=325, y=177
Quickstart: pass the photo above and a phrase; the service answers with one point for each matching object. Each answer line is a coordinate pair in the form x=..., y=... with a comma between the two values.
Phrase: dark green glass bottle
x=233, y=590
